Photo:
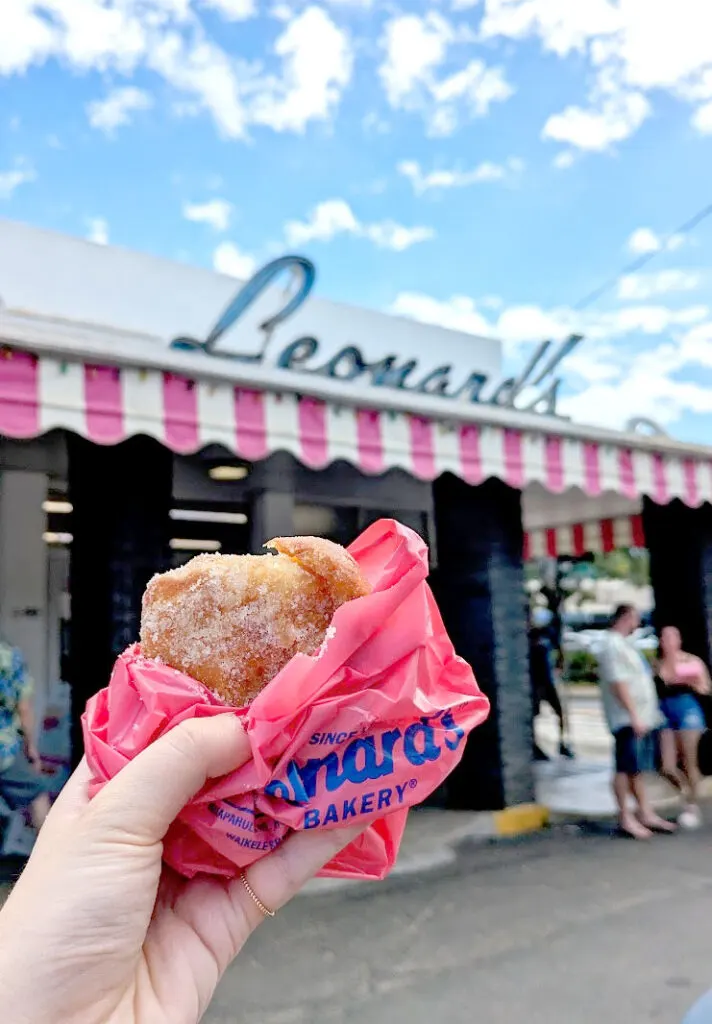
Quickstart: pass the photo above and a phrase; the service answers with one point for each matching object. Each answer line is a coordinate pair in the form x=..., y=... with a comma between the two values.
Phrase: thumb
x=149, y=793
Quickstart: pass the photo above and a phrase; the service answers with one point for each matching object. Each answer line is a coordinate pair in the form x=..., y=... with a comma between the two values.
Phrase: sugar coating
x=233, y=621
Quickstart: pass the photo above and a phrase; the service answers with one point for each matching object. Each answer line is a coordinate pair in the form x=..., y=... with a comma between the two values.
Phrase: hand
x=639, y=729
x=98, y=926
x=33, y=756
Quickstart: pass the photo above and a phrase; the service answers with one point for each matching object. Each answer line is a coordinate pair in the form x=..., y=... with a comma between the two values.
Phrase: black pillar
x=679, y=541
x=479, y=585
x=121, y=498
x=271, y=491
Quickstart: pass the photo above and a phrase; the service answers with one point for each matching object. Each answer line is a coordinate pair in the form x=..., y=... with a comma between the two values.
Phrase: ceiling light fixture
x=57, y=538
x=189, y=515
x=57, y=507
x=227, y=473
x=189, y=544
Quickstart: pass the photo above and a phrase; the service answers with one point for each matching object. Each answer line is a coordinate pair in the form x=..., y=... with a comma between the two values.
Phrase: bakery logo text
x=536, y=387
x=365, y=760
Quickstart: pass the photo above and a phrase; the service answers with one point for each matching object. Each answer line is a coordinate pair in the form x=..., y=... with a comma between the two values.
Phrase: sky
x=480, y=164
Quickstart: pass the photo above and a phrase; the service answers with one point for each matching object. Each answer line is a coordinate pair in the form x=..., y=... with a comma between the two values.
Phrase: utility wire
x=641, y=261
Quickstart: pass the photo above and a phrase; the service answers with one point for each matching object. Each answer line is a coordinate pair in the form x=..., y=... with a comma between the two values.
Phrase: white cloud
x=318, y=61
x=389, y=235
x=645, y=240
x=702, y=119
x=233, y=10
x=611, y=382
x=595, y=130
x=215, y=212
x=458, y=314
x=633, y=48
x=643, y=391
x=648, y=383
x=562, y=27
x=228, y=259
x=484, y=172
x=116, y=109
x=416, y=48
x=335, y=217
x=519, y=324
x=328, y=219
x=640, y=287
x=206, y=73
x=565, y=159
x=300, y=81
x=372, y=124
x=14, y=177
x=98, y=231
x=477, y=84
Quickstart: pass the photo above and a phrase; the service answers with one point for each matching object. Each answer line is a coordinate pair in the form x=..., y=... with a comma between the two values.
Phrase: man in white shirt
x=633, y=714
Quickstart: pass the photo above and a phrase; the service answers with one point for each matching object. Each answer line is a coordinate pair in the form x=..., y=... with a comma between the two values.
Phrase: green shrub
x=580, y=667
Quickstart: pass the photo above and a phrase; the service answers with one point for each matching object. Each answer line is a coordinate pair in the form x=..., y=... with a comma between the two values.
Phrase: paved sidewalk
x=431, y=842
x=571, y=793
x=567, y=927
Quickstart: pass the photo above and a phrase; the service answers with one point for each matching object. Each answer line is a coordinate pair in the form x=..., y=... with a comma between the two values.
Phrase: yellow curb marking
x=518, y=820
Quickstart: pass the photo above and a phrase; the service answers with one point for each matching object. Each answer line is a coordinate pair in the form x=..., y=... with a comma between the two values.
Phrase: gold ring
x=265, y=911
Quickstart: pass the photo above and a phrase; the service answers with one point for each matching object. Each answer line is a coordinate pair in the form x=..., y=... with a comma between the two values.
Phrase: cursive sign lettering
x=349, y=364
x=249, y=294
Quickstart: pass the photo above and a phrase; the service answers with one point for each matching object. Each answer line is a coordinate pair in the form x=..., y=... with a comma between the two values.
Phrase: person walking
x=21, y=782
x=680, y=678
x=630, y=703
x=544, y=689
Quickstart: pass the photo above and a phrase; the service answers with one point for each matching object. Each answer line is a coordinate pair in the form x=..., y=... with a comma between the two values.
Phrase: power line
x=641, y=261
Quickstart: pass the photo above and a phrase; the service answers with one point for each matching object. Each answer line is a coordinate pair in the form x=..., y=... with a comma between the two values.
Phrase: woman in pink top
x=680, y=678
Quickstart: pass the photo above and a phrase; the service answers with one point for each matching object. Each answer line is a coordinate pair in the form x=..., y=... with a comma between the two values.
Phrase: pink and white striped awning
x=576, y=539
x=107, y=404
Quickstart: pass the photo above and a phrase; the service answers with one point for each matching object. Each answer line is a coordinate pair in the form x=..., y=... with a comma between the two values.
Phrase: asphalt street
x=568, y=926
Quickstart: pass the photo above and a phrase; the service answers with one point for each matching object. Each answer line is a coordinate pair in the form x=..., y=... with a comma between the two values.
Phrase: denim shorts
x=682, y=713
x=634, y=754
x=20, y=784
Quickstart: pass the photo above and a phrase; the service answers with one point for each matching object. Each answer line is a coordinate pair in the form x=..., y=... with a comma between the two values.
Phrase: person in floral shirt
x=21, y=782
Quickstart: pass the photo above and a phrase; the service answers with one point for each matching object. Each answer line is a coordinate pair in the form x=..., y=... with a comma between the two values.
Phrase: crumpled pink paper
x=357, y=733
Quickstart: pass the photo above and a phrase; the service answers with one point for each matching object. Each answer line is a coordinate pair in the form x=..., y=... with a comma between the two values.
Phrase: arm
x=26, y=708
x=622, y=695
x=704, y=685
x=26, y=712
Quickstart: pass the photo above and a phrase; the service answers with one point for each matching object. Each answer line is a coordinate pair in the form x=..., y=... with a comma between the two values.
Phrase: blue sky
x=477, y=163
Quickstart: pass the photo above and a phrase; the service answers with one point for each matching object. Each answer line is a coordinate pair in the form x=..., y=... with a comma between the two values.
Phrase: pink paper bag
x=357, y=733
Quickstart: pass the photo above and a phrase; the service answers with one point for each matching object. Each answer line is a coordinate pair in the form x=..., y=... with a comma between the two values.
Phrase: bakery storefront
x=150, y=410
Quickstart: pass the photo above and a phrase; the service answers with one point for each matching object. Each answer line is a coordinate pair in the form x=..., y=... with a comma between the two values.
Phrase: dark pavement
x=568, y=927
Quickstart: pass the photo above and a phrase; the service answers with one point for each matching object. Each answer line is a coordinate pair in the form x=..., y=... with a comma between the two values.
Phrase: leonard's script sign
x=536, y=387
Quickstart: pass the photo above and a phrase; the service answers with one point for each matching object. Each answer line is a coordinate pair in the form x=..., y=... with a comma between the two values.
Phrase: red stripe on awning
x=19, y=394
x=421, y=443
x=180, y=413
x=370, y=441
x=313, y=432
x=107, y=404
x=638, y=532
x=577, y=531
x=578, y=539
x=104, y=404
x=251, y=424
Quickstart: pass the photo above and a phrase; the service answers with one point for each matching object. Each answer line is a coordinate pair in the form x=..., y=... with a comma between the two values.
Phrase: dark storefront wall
x=122, y=497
